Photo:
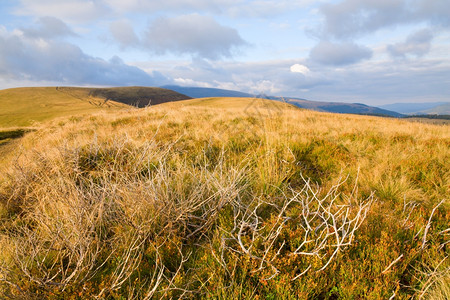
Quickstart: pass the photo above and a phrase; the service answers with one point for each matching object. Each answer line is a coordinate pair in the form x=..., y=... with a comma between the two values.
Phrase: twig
x=427, y=227
x=391, y=264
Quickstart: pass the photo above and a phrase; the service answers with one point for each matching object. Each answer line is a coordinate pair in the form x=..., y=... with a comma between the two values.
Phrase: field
x=231, y=198
x=27, y=107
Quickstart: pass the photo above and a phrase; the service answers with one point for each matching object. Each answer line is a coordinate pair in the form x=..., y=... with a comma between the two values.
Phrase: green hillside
x=25, y=107
x=231, y=198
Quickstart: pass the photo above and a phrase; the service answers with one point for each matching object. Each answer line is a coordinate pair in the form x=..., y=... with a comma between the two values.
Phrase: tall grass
x=245, y=201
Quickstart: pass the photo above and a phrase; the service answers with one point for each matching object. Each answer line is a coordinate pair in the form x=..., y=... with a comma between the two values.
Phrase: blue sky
x=368, y=51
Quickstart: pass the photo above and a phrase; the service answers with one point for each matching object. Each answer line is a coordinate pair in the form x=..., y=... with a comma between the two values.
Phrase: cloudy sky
x=368, y=51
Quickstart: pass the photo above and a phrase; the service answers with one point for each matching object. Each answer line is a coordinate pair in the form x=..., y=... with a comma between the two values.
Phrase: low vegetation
x=226, y=199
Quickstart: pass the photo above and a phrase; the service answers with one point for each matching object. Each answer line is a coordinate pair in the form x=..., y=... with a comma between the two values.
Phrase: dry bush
x=321, y=222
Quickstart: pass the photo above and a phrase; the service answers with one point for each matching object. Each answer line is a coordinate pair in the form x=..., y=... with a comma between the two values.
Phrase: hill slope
x=339, y=107
x=138, y=96
x=443, y=109
x=21, y=107
x=334, y=107
x=226, y=199
x=199, y=92
x=411, y=108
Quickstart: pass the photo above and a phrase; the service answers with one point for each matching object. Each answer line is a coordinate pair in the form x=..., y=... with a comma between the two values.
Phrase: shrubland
x=226, y=198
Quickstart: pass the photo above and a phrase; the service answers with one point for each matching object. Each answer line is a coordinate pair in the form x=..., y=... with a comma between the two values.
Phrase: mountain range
x=334, y=107
x=440, y=108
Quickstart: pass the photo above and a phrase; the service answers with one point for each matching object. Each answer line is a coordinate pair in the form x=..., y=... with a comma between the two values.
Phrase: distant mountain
x=443, y=109
x=345, y=108
x=414, y=108
x=199, y=92
x=335, y=107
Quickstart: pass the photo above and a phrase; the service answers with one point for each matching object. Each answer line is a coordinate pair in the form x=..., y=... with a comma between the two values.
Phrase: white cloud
x=261, y=8
x=48, y=27
x=170, y=5
x=123, y=33
x=354, y=18
x=339, y=54
x=41, y=60
x=68, y=10
x=298, y=68
x=192, y=34
x=232, y=8
x=191, y=82
x=418, y=44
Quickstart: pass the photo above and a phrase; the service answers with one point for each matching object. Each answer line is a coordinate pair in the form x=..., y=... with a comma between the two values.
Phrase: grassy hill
x=443, y=109
x=23, y=107
x=335, y=107
x=339, y=107
x=200, y=92
x=226, y=199
x=138, y=96
x=250, y=106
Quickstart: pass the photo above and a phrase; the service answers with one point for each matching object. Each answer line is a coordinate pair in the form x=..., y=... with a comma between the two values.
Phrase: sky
x=368, y=51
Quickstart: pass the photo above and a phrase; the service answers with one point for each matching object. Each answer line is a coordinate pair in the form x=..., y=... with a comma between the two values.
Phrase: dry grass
x=231, y=198
x=27, y=107
x=441, y=289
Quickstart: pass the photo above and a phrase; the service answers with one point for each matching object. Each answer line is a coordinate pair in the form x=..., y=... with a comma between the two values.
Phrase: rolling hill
x=22, y=107
x=138, y=96
x=442, y=109
x=200, y=92
x=417, y=108
x=340, y=107
x=334, y=107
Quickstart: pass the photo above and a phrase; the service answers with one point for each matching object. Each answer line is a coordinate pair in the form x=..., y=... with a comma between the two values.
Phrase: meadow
x=27, y=107
x=226, y=198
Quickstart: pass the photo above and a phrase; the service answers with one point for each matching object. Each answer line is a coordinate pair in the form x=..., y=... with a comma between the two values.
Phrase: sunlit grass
x=27, y=107
x=206, y=199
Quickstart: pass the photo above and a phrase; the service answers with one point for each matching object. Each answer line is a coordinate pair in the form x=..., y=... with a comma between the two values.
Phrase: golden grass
x=204, y=199
x=441, y=289
x=25, y=107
